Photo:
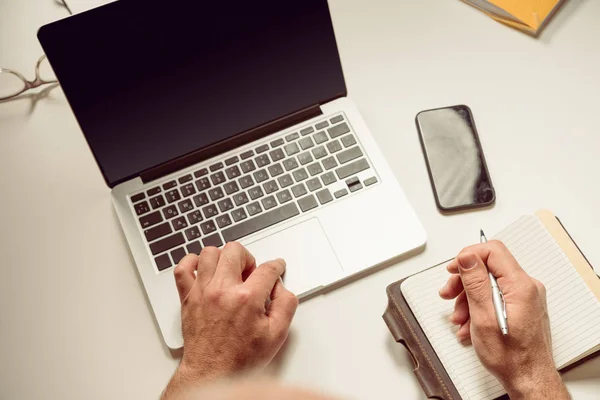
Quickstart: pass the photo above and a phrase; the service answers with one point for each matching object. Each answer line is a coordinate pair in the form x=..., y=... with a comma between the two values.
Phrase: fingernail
x=467, y=261
x=442, y=289
x=281, y=261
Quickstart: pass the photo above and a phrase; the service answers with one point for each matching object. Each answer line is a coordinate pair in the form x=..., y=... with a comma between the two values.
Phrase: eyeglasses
x=13, y=83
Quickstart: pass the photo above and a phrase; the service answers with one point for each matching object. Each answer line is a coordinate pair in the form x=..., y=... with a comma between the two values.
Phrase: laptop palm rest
x=310, y=259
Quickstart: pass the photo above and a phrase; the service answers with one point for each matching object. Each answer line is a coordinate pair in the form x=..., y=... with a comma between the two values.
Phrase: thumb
x=474, y=276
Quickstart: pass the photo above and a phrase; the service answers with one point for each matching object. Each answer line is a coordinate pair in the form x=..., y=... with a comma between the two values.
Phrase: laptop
x=229, y=121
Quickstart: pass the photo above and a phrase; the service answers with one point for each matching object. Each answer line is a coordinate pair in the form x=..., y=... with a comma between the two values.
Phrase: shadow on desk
x=32, y=97
x=558, y=21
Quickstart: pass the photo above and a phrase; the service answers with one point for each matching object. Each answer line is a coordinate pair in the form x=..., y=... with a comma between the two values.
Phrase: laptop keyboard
x=251, y=191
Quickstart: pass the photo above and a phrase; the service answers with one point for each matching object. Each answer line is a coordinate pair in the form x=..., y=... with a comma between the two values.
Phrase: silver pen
x=497, y=296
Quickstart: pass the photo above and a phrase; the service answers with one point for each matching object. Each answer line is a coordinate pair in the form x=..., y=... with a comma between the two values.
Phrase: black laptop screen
x=152, y=81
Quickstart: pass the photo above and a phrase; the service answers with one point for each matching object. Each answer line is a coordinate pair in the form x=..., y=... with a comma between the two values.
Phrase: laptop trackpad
x=310, y=259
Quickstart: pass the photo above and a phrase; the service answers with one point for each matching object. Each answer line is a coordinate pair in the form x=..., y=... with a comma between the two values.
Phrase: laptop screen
x=151, y=81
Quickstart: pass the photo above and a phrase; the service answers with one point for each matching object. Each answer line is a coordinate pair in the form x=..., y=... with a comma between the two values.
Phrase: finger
x=452, y=288
x=234, y=260
x=263, y=279
x=464, y=332
x=495, y=256
x=461, y=310
x=207, y=264
x=184, y=275
x=477, y=286
x=281, y=310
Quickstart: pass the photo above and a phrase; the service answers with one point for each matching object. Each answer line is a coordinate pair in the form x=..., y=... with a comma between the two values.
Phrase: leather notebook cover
x=405, y=329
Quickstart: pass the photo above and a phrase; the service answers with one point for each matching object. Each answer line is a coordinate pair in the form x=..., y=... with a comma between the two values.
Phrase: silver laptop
x=230, y=122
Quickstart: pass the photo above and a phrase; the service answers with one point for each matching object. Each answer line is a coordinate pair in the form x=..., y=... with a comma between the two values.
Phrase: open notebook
x=545, y=251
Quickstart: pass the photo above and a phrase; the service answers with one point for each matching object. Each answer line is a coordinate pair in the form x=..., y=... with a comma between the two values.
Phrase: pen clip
x=503, y=304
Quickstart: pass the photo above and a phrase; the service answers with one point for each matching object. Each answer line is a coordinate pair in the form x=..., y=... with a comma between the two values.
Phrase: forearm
x=548, y=385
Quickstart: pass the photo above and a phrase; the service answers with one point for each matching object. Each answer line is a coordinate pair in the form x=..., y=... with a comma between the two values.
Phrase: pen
x=497, y=296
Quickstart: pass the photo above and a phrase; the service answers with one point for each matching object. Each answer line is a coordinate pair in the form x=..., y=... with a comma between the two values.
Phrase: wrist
x=545, y=384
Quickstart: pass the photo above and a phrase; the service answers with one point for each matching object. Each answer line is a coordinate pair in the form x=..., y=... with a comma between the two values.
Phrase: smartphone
x=459, y=175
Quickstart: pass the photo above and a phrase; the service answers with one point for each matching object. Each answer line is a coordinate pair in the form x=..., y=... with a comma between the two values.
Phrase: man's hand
x=522, y=361
x=234, y=315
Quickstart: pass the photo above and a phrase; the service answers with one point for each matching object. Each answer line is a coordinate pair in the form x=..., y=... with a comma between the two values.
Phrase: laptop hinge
x=229, y=144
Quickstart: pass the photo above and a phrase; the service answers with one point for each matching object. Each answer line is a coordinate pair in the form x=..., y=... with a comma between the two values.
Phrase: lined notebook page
x=574, y=310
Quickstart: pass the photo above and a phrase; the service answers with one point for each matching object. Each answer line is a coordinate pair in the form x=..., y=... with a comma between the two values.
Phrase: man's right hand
x=522, y=360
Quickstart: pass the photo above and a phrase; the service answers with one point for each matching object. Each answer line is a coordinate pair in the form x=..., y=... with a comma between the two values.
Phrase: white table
x=74, y=321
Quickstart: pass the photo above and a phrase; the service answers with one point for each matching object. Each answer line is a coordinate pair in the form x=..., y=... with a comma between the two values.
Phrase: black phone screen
x=455, y=160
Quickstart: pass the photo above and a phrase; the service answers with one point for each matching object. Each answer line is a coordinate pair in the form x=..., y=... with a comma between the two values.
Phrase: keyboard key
x=260, y=222
x=305, y=158
x=306, y=143
x=246, y=181
x=255, y=192
x=194, y=248
x=276, y=142
x=217, y=178
x=151, y=219
x=322, y=125
x=167, y=243
x=307, y=203
x=248, y=166
x=141, y=208
x=201, y=172
x=223, y=221
x=314, y=169
x=202, y=184
x=292, y=136
x=275, y=170
x=215, y=194
x=320, y=137
x=340, y=193
x=324, y=196
x=157, y=202
x=179, y=223
x=269, y=202
x=328, y=178
x=338, y=130
x=262, y=160
x=239, y=214
x=306, y=131
x=210, y=211
x=157, y=232
x=352, y=168
x=169, y=185
x=277, y=154
x=188, y=190
x=253, y=208
x=172, y=195
x=262, y=149
x=240, y=198
x=299, y=190
x=185, y=206
x=232, y=160
x=194, y=217
x=300, y=174
x=284, y=196
x=153, y=191
x=313, y=184
x=246, y=154
x=138, y=197
x=370, y=181
x=178, y=254
x=201, y=199
x=336, y=119
x=291, y=149
x=290, y=164
x=170, y=212
x=216, y=167
x=355, y=187
x=208, y=227
x=163, y=262
x=213, y=240
x=270, y=186
x=225, y=205
x=329, y=163
x=261, y=176
x=231, y=187
x=192, y=233
x=233, y=172
x=285, y=180
x=319, y=152
x=334, y=146
x=348, y=140
x=349, y=155
x=185, y=178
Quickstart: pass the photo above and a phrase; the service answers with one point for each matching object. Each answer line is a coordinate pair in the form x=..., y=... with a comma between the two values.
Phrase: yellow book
x=529, y=16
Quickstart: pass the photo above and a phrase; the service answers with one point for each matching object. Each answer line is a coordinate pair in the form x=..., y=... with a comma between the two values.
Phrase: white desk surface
x=74, y=321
